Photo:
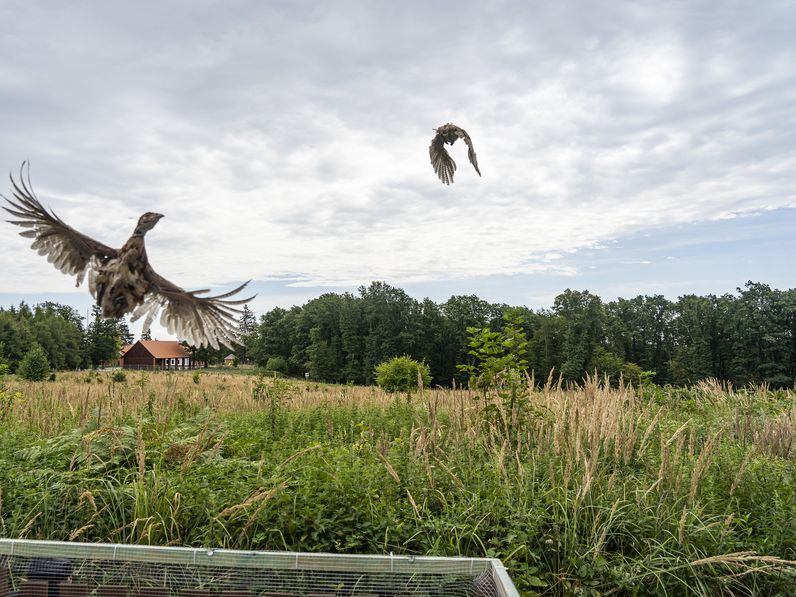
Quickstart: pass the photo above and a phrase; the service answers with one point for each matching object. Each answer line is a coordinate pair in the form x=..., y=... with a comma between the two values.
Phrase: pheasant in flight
x=122, y=280
x=443, y=163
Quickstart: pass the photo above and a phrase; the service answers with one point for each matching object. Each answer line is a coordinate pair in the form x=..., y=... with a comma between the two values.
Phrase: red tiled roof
x=125, y=348
x=164, y=349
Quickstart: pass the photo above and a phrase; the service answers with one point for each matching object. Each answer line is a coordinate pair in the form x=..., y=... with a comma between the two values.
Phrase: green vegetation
x=278, y=364
x=499, y=356
x=582, y=484
x=744, y=338
x=59, y=331
x=402, y=374
x=34, y=365
x=592, y=490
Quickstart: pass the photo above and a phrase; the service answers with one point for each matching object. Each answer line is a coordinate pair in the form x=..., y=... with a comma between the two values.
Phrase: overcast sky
x=626, y=147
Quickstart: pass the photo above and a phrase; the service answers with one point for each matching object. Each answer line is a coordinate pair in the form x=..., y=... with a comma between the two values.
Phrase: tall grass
x=587, y=490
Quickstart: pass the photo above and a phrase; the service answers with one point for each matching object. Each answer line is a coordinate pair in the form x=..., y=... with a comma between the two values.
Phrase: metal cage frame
x=250, y=563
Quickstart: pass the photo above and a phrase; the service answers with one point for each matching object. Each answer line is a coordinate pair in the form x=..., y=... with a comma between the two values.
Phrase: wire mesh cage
x=65, y=569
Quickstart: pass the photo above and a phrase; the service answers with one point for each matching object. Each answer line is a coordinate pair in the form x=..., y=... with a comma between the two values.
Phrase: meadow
x=587, y=490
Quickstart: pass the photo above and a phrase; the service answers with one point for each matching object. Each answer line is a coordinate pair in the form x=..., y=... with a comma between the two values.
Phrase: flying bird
x=122, y=280
x=443, y=163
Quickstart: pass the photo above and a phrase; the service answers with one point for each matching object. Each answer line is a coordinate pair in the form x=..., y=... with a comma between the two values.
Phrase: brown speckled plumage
x=121, y=280
x=441, y=160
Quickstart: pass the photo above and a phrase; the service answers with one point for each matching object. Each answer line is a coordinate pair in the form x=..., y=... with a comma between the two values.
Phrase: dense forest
x=62, y=333
x=747, y=337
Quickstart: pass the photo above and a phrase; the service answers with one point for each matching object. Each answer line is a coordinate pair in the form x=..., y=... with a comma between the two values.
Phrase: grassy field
x=589, y=490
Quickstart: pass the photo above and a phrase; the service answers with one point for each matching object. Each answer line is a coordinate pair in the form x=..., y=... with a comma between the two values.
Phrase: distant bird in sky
x=443, y=163
x=122, y=280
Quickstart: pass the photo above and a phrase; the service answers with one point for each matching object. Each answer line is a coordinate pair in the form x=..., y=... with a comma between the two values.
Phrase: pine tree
x=34, y=366
x=103, y=339
x=247, y=326
x=247, y=322
x=125, y=335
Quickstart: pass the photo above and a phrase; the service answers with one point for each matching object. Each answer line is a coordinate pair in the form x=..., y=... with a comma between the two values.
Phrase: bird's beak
x=160, y=216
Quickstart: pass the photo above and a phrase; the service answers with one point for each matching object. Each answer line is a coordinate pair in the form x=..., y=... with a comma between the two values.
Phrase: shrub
x=612, y=365
x=119, y=376
x=34, y=366
x=499, y=356
x=401, y=374
x=196, y=377
x=276, y=364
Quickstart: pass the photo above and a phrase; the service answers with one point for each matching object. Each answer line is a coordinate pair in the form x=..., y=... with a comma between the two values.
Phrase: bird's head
x=147, y=222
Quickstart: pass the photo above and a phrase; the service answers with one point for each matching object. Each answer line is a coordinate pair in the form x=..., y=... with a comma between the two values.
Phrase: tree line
x=60, y=331
x=745, y=337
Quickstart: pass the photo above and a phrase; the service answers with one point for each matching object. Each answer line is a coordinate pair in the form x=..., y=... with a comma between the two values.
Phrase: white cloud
x=290, y=141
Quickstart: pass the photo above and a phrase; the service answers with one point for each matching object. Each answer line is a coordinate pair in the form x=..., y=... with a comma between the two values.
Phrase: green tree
x=103, y=340
x=546, y=345
x=58, y=330
x=700, y=338
x=402, y=374
x=501, y=365
x=583, y=315
x=612, y=365
x=278, y=364
x=16, y=335
x=500, y=356
x=247, y=327
x=386, y=312
x=320, y=342
x=761, y=336
x=209, y=355
x=124, y=333
x=639, y=330
x=34, y=365
x=270, y=339
x=461, y=313
x=325, y=360
x=352, y=338
x=430, y=345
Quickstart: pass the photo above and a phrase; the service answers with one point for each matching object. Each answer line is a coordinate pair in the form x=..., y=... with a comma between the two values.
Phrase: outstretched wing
x=470, y=151
x=70, y=251
x=210, y=320
x=442, y=161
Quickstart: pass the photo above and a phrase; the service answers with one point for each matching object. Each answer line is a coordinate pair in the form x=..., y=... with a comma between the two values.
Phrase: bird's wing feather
x=197, y=320
x=70, y=251
x=470, y=151
x=441, y=160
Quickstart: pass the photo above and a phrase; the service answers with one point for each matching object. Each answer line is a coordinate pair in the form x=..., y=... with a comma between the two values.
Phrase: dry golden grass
x=49, y=408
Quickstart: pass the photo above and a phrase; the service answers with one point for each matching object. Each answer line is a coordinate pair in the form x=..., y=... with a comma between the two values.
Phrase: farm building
x=156, y=354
